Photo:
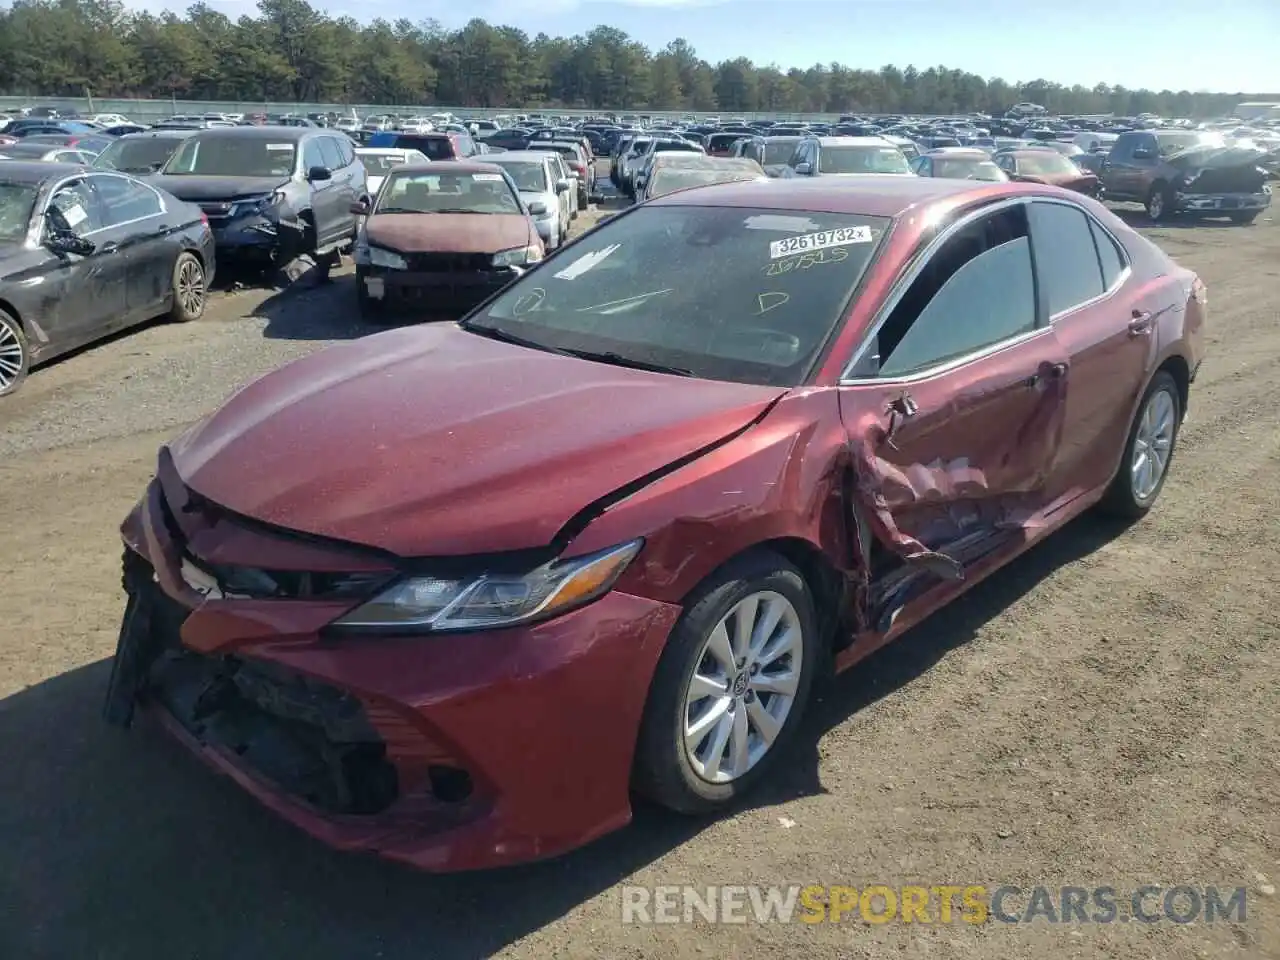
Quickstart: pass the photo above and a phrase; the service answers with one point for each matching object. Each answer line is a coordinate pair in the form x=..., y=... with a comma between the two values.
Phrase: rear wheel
x=15, y=354
x=190, y=292
x=730, y=687
x=1148, y=450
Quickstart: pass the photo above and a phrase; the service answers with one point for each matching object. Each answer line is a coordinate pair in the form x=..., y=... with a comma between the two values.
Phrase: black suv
x=271, y=194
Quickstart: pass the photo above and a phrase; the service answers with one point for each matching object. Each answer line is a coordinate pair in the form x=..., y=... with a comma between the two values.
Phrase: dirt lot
x=1103, y=714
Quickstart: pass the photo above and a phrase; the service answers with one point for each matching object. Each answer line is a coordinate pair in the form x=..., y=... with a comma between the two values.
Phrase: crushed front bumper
x=1224, y=203
x=447, y=752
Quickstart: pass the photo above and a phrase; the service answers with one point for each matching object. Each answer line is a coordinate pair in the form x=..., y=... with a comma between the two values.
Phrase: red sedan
x=1045, y=165
x=452, y=593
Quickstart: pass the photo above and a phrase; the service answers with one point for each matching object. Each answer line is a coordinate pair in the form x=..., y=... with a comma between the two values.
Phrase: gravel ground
x=1104, y=712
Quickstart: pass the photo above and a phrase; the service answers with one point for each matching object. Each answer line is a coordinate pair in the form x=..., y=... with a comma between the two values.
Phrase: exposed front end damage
x=262, y=229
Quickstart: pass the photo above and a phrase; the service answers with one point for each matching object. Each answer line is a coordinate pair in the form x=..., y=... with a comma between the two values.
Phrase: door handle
x=1140, y=324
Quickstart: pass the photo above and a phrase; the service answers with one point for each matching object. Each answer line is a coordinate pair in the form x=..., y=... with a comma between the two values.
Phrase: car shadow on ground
x=119, y=844
x=313, y=308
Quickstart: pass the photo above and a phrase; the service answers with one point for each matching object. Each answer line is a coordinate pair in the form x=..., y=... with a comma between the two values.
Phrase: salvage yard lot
x=1105, y=712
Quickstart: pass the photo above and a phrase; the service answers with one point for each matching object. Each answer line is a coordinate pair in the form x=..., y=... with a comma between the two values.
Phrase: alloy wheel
x=743, y=687
x=1152, y=445
x=12, y=357
x=191, y=289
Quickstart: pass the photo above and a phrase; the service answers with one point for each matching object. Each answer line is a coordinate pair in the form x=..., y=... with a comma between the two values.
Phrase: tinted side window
x=312, y=156
x=332, y=153
x=974, y=292
x=348, y=152
x=1066, y=259
x=1108, y=255
x=124, y=201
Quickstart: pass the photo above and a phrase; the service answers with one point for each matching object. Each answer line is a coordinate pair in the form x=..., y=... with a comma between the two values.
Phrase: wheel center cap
x=740, y=682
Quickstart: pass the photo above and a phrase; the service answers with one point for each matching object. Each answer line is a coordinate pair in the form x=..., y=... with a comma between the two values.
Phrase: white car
x=378, y=162
x=109, y=119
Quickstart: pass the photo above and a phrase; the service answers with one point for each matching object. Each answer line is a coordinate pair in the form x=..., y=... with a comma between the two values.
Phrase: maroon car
x=452, y=593
x=1046, y=165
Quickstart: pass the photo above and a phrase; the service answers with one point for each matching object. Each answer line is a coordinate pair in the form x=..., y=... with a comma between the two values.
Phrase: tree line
x=292, y=52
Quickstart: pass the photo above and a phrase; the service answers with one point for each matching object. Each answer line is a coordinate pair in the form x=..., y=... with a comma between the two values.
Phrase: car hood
x=216, y=188
x=448, y=232
x=432, y=441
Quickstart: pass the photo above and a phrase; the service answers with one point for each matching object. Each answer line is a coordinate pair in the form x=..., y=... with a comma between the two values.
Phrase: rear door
x=133, y=216
x=954, y=408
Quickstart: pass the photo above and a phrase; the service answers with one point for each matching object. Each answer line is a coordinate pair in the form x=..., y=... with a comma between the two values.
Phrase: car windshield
x=380, y=164
x=863, y=160
x=967, y=168
x=530, y=177
x=1171, y=143
x=222, y=156
x=410, y=191
x=16, y=202
x=719, y=293
x=1045, y=163
x=143, y=155
x=775, y=153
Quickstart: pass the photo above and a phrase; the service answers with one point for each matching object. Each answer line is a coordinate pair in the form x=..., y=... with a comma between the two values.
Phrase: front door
x=91, y=286
x=955, y=410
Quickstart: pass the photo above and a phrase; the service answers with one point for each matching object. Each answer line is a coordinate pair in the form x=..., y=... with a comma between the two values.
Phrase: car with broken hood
x=449, y=593
x=1211, y=180
x=439, y=238
x=272, y=193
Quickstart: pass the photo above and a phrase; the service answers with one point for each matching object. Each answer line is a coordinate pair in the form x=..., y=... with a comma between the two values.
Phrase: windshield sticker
x=805, y=261
x=279, y=146
x=842, y=237
x=781, y=223
x=486, y=177
x=74, y=215
x=583, y=264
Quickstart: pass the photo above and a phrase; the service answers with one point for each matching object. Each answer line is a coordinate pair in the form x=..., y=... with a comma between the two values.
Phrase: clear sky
x=1224, y=46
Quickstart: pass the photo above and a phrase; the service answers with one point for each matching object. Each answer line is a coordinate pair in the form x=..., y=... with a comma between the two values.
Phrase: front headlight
x=518, y=257
x=258, y=205
x=492, y=600
x=379, y=257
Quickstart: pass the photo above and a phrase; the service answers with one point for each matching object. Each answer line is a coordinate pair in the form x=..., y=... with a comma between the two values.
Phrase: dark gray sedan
x=85, y=253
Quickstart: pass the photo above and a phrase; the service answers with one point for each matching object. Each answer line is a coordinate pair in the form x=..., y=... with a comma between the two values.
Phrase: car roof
x=35, y=172
x=454, y=167
x=159, y=134
x=525, y=156
x=852, y=141
x=260, y=133
x=876, y=195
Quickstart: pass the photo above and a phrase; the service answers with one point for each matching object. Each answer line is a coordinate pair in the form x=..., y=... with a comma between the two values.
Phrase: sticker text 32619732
x=841, y=237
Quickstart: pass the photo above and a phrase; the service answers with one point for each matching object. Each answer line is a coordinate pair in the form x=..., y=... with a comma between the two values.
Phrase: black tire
x=1244, y=219
x=663, y=772
x=1120, y=499
x=15, y=354
x=190, y=290
x=1159, y=203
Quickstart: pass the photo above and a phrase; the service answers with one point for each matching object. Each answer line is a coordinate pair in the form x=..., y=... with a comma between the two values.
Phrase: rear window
x=667, y=179
x=144, y=155
x=530, y=177
x=436, y=148
x=723, y=141
x=962, y=168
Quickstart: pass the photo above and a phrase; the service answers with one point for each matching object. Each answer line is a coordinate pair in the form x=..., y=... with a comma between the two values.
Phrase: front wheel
x=15, y=354
x=1148, y=450
x=1160, y=203
x=730, y=687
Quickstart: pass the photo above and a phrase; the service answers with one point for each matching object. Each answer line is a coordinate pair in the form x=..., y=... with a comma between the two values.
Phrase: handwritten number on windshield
x=805, y=261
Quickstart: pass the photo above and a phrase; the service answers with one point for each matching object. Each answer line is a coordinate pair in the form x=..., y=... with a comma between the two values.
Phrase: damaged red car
x=454, y=594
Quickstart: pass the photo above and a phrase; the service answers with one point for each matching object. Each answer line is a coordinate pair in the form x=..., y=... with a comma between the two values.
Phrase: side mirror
x=360, y=208
x=538, y=209
x=319, y=174
x=562, y=186
x=804, y=169
x=64, y=241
